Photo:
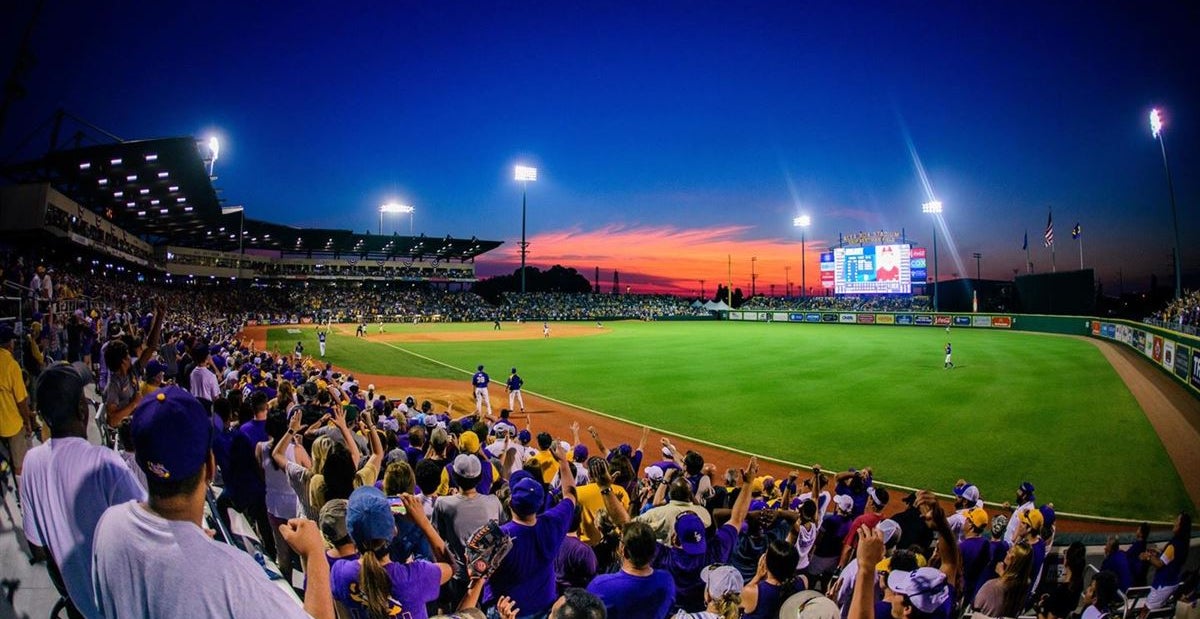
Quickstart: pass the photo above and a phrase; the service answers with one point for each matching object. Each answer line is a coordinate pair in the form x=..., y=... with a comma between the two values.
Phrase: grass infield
x=1016, y=406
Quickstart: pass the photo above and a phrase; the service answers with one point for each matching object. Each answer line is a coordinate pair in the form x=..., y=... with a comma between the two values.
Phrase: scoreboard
x=873, y=269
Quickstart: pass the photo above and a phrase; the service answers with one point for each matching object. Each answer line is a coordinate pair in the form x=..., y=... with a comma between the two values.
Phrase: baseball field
x=1015, y=406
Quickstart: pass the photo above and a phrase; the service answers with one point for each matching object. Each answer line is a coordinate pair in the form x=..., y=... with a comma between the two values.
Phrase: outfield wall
x=1175, y=353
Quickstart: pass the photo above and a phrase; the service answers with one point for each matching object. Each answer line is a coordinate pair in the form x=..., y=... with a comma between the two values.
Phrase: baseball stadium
x=215, y=405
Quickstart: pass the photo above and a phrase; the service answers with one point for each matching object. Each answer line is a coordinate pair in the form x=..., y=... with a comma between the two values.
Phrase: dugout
x=1066, y=292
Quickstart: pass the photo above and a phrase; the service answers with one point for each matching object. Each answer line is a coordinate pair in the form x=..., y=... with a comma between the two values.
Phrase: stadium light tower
x=934, y=207
x=802, y=222
x=1156, y=126
x=214, y=150
x=392, y=207
x=525, y=174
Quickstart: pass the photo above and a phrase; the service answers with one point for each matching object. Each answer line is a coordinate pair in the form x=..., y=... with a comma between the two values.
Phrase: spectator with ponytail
x=774, y=581
x=1005, y=596
x=373, y=586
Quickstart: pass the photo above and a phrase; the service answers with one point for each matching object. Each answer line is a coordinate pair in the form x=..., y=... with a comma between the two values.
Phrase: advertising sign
x=1196, y=369
x=866, y=319
x=1183, y=359
x=904, y=319
x=795, y=317
x=1095, y=327
x=962, y=321
x=1139, y=340
x=829, y=318
x=812, y=318
x=1156, y=350
x=981, y=321
x=846, y=318
x=885, y=319
x=1002, y=322
x=923, y=319
x=1108, y=330
x=941, y=321
x=1168, y=358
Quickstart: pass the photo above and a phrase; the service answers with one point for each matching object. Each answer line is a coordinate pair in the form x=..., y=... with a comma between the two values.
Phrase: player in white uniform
x=321, y=341
x=545, y=329
x=480, y=381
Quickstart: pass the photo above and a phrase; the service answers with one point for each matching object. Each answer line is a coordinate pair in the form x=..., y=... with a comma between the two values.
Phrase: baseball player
x=948, y=363
x=480, y=381
x=514, y=390
x=545, y=329
x=299, y=351
x=381, y=324
x=321, y=341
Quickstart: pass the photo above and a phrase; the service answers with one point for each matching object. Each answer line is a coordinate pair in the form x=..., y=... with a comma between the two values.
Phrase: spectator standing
x=154, y=559
x=1168, y=565
x=457, y=517
x=69, y=482
x=637, y=591
x=16, y=420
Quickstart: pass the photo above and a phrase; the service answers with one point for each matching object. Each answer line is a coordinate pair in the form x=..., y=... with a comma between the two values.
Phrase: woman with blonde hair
x=1006, y=596
x=722, y=594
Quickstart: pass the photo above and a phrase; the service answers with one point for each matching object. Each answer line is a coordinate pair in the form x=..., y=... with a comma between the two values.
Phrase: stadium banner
x=962, y=321
x=1002, y=322
x=904, y=319
x=923, y=320
x=1095, y=327
x=829, y=317
x=795, y=317
x=782, y=316
x=1125, y=334
x=251, y=323
x=1156, y=350
x=812, y=318
x=1168, y=357
x=1196, y=369
x=306, y=320
x=1139, y=340
x=981, y=321
x=1108, y=329
x=885, y=319
x=866, y=319
x=846, y=318
x=1183, y=359
x=942, y=321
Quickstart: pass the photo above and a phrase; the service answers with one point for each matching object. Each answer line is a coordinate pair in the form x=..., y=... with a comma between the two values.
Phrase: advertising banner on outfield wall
x=941, y=321
x=1168, y=358
x=885, y=319
x=1156, y=352
x=846, y=318
x=829, y=318
x=1108, y=330
x=795, y=317
x=1139, y=340
x=866, y=319
x=1196, y=369
x=1095, y=327
x=962, y=321
x=981, y=321
x=923, y=319
x=1183, y=359
x=1002, y=322
x=812, y=318
x=904, y=319
x=1124, y=334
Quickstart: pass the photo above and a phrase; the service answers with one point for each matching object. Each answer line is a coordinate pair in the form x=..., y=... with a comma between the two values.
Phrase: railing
x=1173, y=326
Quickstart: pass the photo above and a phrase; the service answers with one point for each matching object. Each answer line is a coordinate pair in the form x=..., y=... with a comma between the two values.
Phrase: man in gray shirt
x=458, y=516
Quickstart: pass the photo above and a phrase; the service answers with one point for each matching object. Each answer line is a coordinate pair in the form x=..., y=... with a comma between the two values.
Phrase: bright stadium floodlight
x=392, y=207
x=802, y=222
x=525, y=174
x=1156, y=126
x=934, y=207
x=214, y=147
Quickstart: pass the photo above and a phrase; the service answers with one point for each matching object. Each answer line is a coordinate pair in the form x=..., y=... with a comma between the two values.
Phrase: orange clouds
x=668, y=259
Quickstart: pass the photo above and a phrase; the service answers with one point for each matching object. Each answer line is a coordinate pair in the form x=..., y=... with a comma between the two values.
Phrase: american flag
x=1050, y=229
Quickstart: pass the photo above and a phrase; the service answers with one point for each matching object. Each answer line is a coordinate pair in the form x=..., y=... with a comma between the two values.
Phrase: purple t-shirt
x=975, y=560
x=527, y=573
x=575, y=565
x=635, y=597
x=413, y=585
x=685, y=568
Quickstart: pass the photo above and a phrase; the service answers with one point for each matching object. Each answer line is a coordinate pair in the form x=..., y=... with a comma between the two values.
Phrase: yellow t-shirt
x=12, y=391
x=591, y=503
x=545, y=461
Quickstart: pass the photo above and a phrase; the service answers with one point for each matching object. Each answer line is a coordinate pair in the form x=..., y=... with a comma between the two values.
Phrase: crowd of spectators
x=584, y=306
x=846, y=303
x=392, y=506
x=1182, y=314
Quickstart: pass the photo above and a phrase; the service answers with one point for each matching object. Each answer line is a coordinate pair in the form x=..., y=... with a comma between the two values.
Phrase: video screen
x=873, y=269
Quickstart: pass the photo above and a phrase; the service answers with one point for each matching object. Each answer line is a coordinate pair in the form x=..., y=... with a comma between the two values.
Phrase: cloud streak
x=668, y=259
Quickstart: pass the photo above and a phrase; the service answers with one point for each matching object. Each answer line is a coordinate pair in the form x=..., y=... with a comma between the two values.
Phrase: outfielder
x=948, y=363
x=514, y=390
x=321, y=341
x=480, y=381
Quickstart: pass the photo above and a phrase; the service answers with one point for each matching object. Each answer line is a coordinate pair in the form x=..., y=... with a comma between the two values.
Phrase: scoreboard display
x=873, y=269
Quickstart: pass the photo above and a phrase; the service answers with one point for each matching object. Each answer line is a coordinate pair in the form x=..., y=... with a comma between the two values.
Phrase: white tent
x=696, y=304
x=715, y=306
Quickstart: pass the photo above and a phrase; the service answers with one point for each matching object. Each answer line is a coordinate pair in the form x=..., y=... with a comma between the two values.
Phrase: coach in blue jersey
x=514, y=390
x=480, y=381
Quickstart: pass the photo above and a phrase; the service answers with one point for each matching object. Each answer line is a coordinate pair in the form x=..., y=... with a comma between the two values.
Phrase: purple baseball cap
x=689, y=532
x=172, y=434
x=527, y=497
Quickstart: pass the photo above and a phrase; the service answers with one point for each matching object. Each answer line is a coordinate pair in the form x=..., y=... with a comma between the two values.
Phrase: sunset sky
x=668, y=135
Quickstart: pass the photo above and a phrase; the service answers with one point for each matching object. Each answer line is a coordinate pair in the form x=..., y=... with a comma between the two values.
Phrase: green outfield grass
x=1017, y=406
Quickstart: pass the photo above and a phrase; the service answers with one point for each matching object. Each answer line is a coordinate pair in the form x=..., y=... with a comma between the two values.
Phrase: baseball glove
x=485, y=549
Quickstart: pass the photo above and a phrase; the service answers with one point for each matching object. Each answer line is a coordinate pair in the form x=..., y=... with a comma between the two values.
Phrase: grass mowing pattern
x=1017, y=406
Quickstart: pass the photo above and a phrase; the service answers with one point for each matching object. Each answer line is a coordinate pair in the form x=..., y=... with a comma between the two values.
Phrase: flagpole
x=1028, y=262
x=1081, y=252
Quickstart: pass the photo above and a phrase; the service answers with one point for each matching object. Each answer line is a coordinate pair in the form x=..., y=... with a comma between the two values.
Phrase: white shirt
x=204, y=384
x=66, y=486
x=147, y=566
x=1010, y=531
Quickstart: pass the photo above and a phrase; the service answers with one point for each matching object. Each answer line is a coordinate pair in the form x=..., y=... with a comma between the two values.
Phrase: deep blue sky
x=662, y=116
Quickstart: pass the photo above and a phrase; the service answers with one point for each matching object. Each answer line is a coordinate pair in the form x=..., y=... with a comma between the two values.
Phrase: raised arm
x=566, y=475
x=642, y=441
x=375, y=442
x=416, y=513
x=947, y=547
x=150, y=345
x=612, y=503
x=741, y=506
x=599, y=443
x=339, y=420
x=870, y=553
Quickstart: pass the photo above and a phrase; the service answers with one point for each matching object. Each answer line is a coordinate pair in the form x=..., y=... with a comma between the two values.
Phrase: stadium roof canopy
x=161, y=191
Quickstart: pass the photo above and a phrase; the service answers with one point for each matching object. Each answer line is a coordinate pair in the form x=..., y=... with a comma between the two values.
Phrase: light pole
x=934, y=207
x=525, y=174
x=978, y=258
x=802, y=222
x=753, y=275
x=1156, y=125
x=392, y=207
x=787, y=280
